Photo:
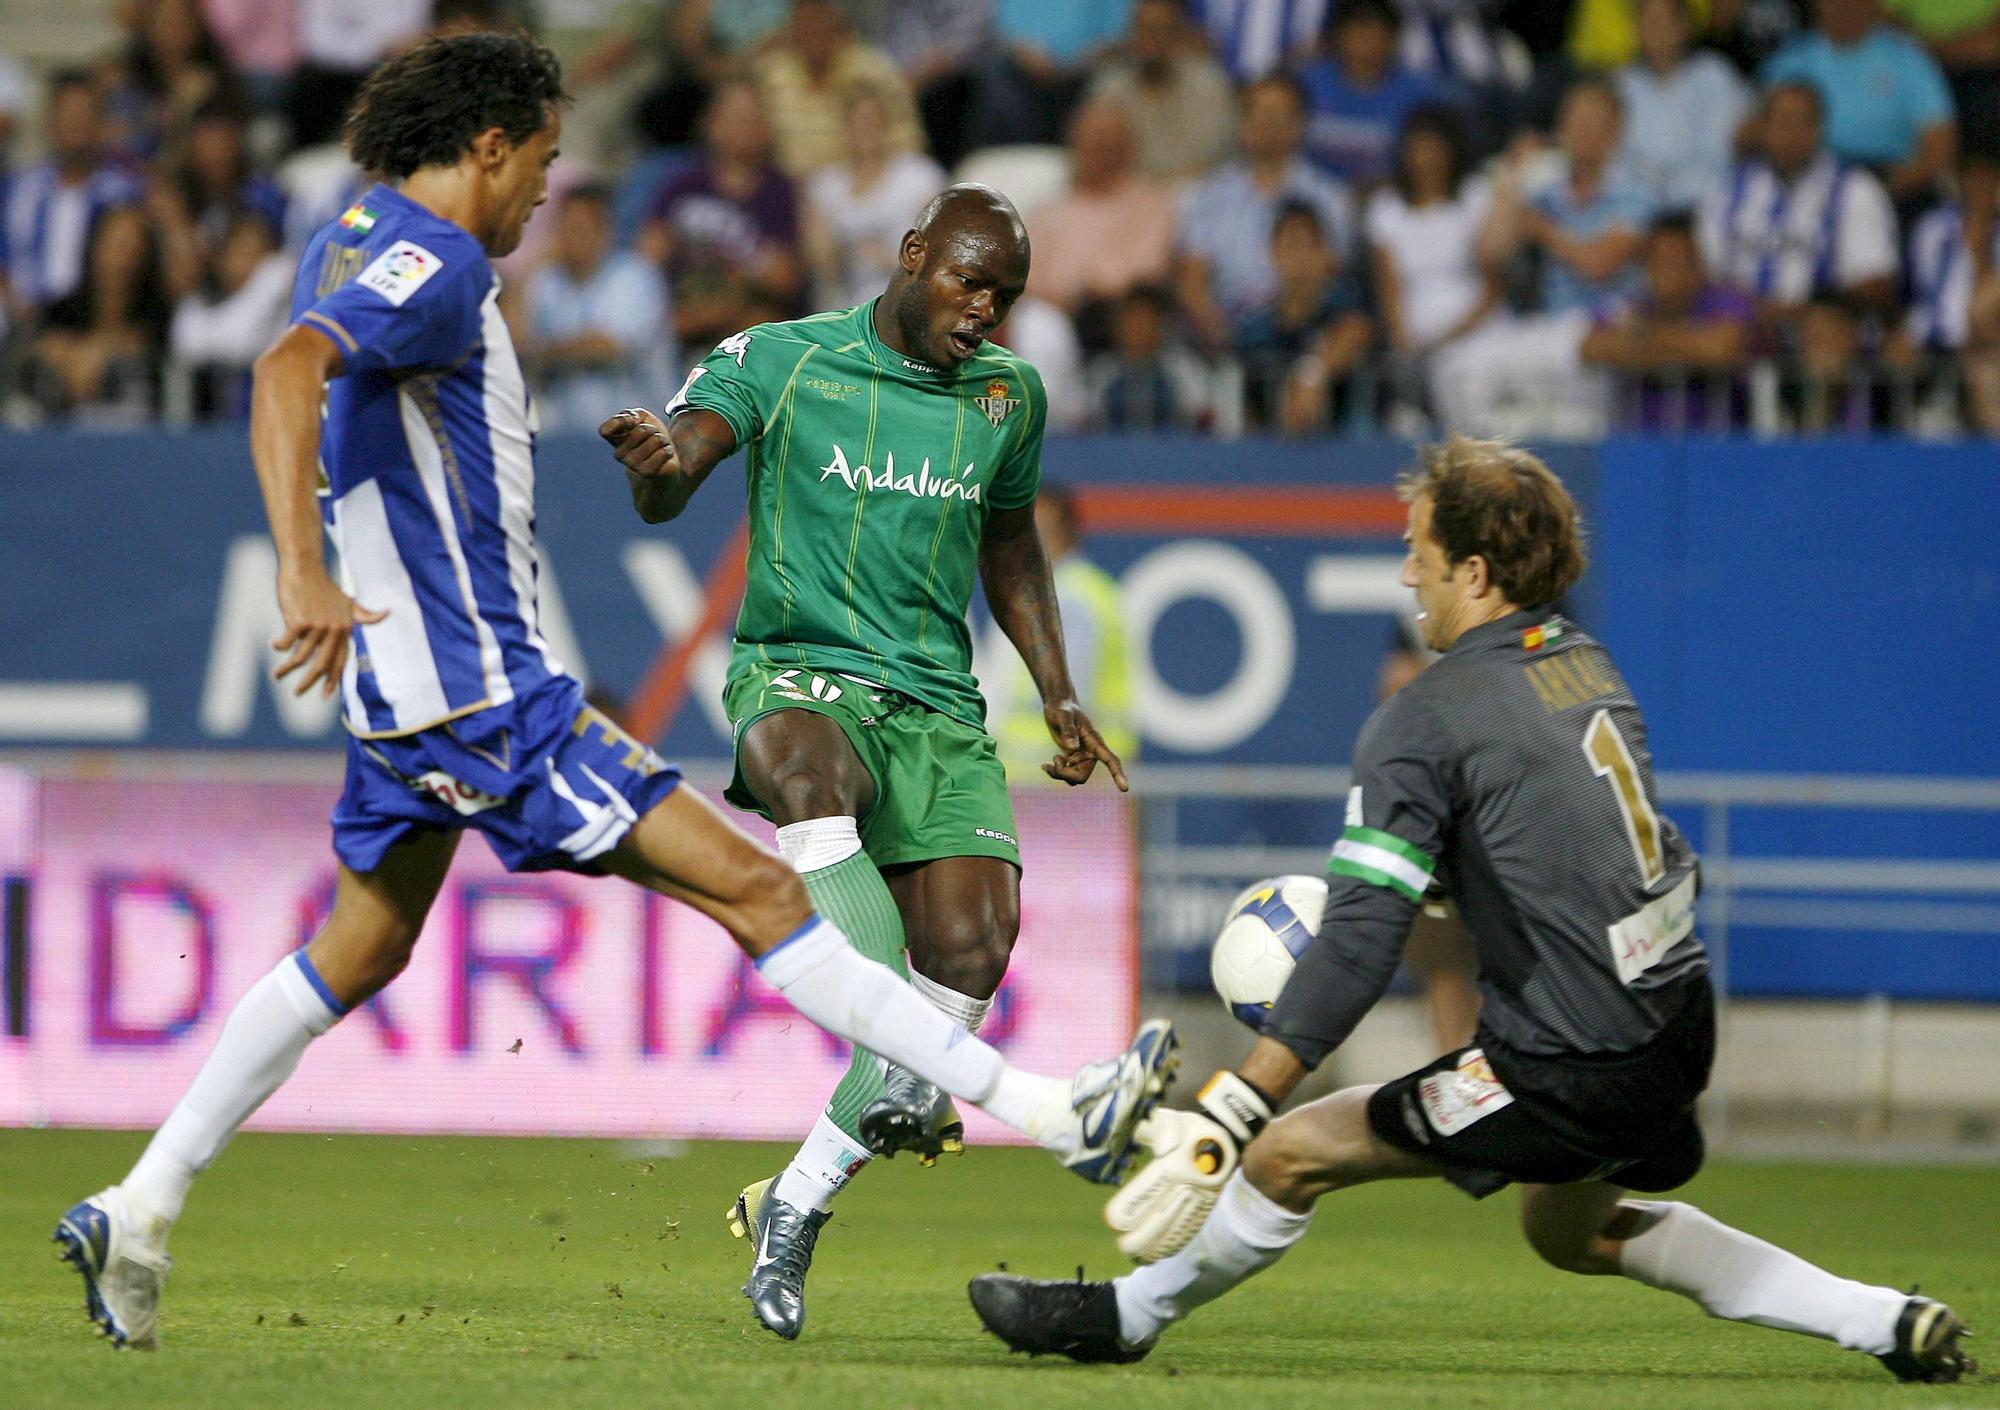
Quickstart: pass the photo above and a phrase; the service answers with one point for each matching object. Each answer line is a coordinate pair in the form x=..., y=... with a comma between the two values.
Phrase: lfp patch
x=400, y=271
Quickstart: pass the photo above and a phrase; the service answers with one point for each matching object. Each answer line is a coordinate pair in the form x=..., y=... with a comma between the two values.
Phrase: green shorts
x=940, y=790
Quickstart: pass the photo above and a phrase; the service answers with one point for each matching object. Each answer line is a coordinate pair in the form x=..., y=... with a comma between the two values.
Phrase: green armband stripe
x=1366, y=861
x=1389, y=842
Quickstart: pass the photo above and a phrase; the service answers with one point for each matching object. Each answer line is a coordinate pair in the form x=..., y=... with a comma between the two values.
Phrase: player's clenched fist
x=639, y=439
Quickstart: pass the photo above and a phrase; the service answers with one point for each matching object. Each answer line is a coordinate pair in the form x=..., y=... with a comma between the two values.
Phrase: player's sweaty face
x=1426, y=569
x=967, y=288
x=522, y=183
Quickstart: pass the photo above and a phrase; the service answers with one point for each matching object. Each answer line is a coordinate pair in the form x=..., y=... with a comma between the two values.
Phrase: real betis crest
x=997, y=405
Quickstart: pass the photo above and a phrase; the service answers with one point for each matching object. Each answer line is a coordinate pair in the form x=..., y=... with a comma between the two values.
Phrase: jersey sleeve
x=1398, y=814
x=740, y=381
x=411, y=306
x=1019, y=478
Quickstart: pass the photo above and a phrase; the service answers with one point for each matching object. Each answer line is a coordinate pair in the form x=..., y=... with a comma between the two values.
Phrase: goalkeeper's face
x=961, y=292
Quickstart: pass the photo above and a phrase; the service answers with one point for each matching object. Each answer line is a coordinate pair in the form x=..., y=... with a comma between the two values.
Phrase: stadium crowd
x=1548, y=218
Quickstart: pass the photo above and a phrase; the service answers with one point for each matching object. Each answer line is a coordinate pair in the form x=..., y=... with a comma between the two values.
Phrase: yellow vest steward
x=1106, y=695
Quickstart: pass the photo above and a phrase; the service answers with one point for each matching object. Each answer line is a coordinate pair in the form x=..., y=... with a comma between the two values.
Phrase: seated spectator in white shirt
x=1431, y=288
x=1682, y=110
x=1586, y=221
x=599, y=333
x=1179, y=97
x=1148, y=381
x=1810, y=238
x=1223, y=264
x=857, y=212
x=242, y=305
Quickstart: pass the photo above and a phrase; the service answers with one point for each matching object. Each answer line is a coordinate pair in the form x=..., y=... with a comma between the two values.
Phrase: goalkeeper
x=1513, y=775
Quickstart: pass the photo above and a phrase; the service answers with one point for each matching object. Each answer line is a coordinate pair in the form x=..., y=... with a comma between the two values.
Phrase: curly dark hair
x=1500, y=502
x=424, y=106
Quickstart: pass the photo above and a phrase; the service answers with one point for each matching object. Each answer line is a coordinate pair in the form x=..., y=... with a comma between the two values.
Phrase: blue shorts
x=551, y=781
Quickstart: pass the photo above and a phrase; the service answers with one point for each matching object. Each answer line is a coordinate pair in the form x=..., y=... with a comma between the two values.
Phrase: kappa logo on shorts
x=994, y=835
x=461, y=798
x=788, y=684
x=1459, y=1096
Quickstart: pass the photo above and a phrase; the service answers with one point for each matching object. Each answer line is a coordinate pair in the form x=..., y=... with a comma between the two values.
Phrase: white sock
x=819, y=842
x=964, y=1010
x=266, y=1034
x=1737, y=1276
x=825, y=1162
x=855, y=998
x=1245, y=1233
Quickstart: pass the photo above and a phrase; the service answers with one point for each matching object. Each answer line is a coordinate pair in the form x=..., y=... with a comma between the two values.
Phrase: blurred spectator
x=1585, y=222
x=241, y=306
x=1112, y=232
x=1257, y=37
x=171, y=67
x=450, y=17
x=1964, y=37
x=1178, y=96
x=1678, y=345
x=1887, y=105
x=857, y=211
x=933, y=42
x=806, y=76
x=15, y=86
x=1300, y=345
x=97, y=355
x=1147, y=381
x=1682, y=110
x=1224, y=265
x=51, y=207
x=1458, y=41
x=687, y=61
x=1810, y=238
x=1359, y=94
x=725, y=226
x=1026, y=78
x=598, y=333
x=339, y=41
x=197, y=192
x=1042, y=333
x=1749, y=32
x=1423, y=239
x=1955, y=293
x=260, y=38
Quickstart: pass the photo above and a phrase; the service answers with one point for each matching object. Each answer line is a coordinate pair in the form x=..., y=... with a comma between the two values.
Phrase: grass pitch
x=483, y=1273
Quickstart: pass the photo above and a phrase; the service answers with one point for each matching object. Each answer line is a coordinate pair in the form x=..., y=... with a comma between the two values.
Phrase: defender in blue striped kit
x=392, y=417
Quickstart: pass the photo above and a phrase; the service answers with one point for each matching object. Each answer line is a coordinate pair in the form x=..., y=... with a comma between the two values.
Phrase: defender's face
x=521, y=183
x=1426, y=569
x=967, y=288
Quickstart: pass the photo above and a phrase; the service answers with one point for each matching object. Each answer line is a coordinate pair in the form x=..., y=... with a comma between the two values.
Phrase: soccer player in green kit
x=893, y=454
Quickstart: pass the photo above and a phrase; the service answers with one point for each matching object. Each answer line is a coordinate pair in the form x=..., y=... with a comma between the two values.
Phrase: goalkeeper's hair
x=1500, y=502
x=425, y=106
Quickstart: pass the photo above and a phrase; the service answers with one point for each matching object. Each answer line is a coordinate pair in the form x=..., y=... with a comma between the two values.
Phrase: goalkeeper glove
x=1193, y=1155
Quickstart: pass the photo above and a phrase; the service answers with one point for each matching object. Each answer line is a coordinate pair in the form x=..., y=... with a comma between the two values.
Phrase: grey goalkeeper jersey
x=1513, y=776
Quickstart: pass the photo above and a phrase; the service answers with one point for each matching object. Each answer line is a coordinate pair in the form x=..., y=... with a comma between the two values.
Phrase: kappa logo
x=997, y=405
x=736, y=345
x=994, y=834
x=922, y=485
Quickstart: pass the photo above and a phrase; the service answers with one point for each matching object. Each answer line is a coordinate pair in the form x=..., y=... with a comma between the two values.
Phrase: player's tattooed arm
x=1021, y=590
x=665, y=463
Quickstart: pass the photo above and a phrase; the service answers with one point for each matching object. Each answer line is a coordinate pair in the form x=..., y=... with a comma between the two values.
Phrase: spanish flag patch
x=358, y=217
x=1535, y=638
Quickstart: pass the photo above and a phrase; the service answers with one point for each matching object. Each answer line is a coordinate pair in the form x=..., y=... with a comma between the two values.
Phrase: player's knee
x=773, y=900
x=1284, y=1166
x=969, y=950
x=1571, y=1250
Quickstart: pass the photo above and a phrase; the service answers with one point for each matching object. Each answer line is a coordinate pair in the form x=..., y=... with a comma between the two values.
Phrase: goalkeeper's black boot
x=1078, y=1320
x=1927, y=1344
x=911, y=1115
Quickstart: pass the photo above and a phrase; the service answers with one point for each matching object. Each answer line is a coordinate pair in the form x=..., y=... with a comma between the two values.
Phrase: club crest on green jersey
x=922, y=485
x=997, y=405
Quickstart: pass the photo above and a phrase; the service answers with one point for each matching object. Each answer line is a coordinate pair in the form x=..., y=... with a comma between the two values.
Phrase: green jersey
x=870, y=478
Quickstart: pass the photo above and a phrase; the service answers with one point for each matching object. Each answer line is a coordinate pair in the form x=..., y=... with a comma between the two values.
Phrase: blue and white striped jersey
x=428, y=454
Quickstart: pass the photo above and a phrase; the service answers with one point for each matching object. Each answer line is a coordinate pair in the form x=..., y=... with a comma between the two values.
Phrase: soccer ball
x=1268, y=927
